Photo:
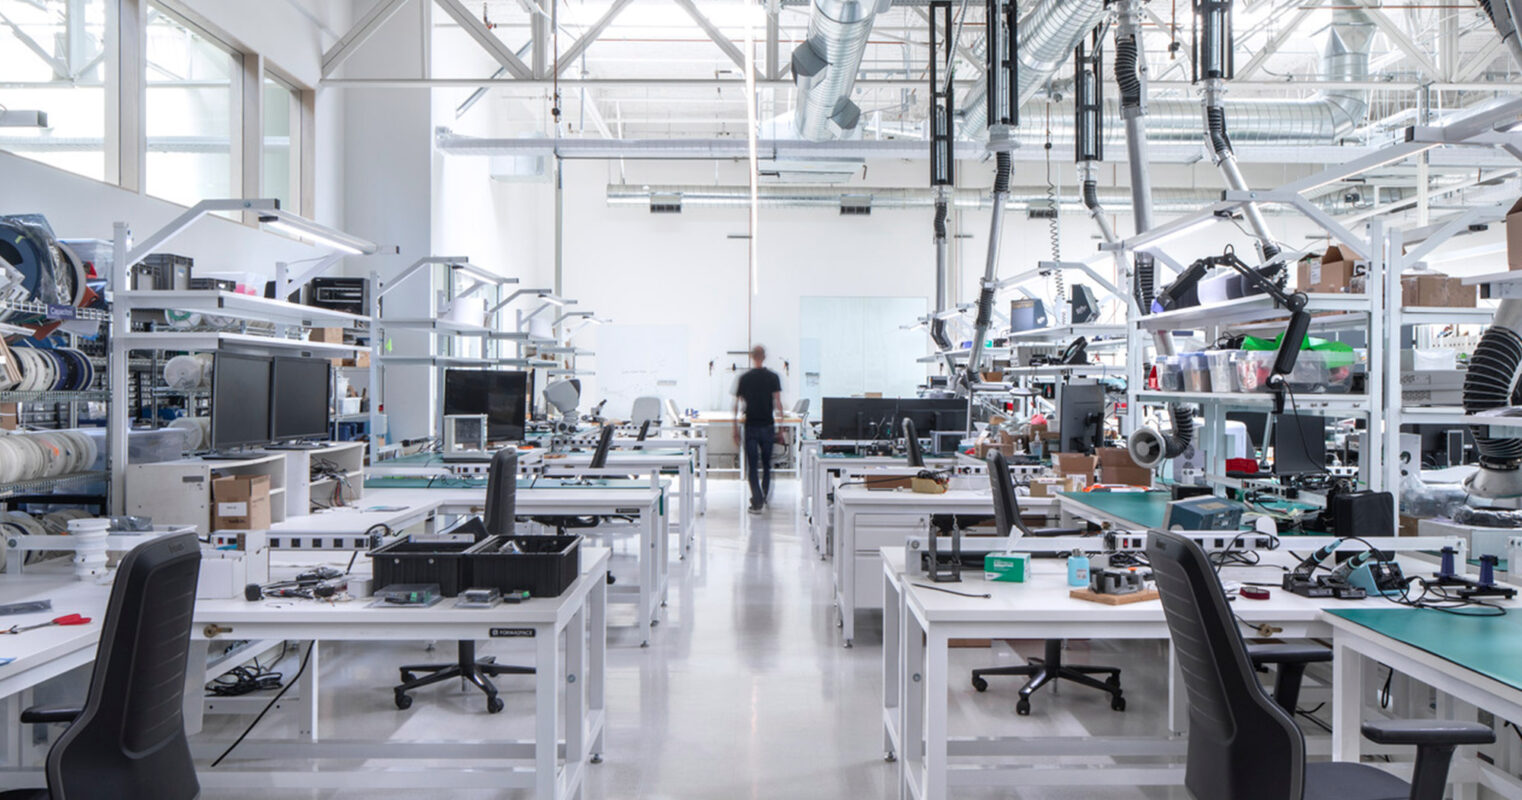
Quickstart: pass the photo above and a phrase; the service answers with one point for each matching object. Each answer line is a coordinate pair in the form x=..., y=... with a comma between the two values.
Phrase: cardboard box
x=1075, y=464
x=1011, y=568
x=1047, y=487
x=1408, y=526
x=328, y=335
x=1425, y=289
x=1127, y=476
x=1333, y=273
x=241, y=502
x=1514, y=236
x=10, y=416
x=361, y=359
x=1461, y=295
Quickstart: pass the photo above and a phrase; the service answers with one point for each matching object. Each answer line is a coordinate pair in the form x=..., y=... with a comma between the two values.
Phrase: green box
x=1011, y=567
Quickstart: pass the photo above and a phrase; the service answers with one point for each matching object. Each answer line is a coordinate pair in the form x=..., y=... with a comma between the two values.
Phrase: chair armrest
x=45, y=714
x=1288, y=654
x=1427, y=732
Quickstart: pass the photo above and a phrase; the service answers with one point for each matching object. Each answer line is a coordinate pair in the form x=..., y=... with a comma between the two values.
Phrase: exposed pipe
x=1047, y=35
x=1003, y=168
x=825, y=66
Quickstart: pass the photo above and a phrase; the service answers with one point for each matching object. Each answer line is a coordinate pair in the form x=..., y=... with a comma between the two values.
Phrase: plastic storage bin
x=546, y=566
x=1314, y=372
x=1170, y=376
x=421, y=561
x=1223, y=370
x=1196, y=367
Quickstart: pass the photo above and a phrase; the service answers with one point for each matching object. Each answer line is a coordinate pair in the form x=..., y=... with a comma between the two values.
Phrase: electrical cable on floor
x=305, y=659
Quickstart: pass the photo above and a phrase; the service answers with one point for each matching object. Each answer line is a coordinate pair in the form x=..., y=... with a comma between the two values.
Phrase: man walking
x=760, y=390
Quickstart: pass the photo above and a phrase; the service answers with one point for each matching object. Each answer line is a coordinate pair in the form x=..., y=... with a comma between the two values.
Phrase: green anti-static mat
x=1491, y=646
x=1142, y=509
x=471, y=482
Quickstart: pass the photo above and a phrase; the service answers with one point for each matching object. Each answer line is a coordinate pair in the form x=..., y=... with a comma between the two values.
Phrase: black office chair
x=128, y=741
x=501, y=506
x=1242, y=743
x=1040, y=671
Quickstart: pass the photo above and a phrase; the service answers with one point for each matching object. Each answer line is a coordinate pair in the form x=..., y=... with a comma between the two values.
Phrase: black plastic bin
x=546, y=567
x=421, y=561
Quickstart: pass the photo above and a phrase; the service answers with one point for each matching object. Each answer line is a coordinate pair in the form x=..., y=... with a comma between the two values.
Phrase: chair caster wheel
x=494, y=704
x=980, y=684
x=408, y=677
x=1118, y=704
x=596, y=758
x=890, y=757
x=403, y=702
x=1023, y=707
x=1113, y=680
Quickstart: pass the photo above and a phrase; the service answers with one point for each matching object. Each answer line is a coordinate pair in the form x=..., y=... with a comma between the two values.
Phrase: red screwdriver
x=67, y=619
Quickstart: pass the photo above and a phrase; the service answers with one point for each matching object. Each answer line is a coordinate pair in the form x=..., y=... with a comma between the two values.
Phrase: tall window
x=282, y=142
x=191, y=113
x=52, y=61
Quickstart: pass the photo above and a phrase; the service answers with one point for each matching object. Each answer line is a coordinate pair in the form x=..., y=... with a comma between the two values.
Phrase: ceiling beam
x=489, y=42
x=359, y=34
x=1481, y=60
x=1399, y=38
x=714, y=33
x=577, y=48
x=60, y=69
x=1277, y=40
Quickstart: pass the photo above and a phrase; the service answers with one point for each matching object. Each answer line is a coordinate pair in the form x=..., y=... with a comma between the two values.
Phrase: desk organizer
x=546, y=567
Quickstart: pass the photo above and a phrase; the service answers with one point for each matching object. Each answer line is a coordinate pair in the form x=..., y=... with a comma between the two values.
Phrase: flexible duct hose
x=941, y=212
x=1146, y=281
x=1125, y=72
x=1003, y=168
x=1215, y=119
x=1488, y=384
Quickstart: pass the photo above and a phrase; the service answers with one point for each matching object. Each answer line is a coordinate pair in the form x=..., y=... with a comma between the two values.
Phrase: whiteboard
x=639, y=360
x=853, y=345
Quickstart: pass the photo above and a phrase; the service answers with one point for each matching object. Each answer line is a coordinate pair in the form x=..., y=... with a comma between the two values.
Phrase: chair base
x=1042, y=671
x=478, y=671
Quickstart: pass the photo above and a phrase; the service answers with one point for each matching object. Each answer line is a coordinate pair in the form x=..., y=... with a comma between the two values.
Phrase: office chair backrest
x=674, y=413
x=604, y=443
x=801, y=408
x=1006, y=507
x=912, y=444
x=129, y=740
x=502, y=493
x=645, y=409
x=1242, y=745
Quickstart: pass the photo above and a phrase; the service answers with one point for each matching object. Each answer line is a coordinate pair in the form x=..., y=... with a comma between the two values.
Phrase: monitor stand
x=297, y=445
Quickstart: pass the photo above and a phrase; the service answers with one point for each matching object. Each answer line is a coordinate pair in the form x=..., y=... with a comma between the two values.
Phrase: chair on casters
x=1040, y=671
x=645, y=409
x=1242, y=743
x=128, y=741
x=501, y=506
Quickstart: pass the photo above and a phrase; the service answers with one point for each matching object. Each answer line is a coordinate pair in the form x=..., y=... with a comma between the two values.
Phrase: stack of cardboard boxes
x=1339, y=271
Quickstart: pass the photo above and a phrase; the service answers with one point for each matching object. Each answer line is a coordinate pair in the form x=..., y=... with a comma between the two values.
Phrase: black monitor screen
x=1299, y=444
x=1026, y=314
x=934, y=414
x=501, y=395
x=300, y=398
x=859, y=418
x=1080, y=417
x=240, y=400
x=1256, y=422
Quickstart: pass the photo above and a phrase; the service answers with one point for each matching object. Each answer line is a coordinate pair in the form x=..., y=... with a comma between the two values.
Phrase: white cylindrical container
x=90, y=548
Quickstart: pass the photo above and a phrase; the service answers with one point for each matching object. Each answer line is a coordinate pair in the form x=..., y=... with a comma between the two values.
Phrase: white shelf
x=240, y=306
x=451, y=326
x=1453, y=415
x=1350, y=403
x=1069, y=369
x=213, y=340
x=1062, y=332
x=460, y=361
x=1418, y=315
x=1257, y=308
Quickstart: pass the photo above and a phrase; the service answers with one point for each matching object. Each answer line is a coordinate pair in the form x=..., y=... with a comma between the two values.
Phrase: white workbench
x=645, y=503
x=642, y=462
x=820, y=469
x=569, y=634
x=892, y=516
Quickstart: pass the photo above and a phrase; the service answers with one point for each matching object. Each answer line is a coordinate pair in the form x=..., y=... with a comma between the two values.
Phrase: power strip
x=305, y=541
x=1209, y=541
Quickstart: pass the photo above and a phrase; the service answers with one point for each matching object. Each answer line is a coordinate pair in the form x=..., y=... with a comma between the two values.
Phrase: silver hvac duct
x=1047, y=37
x=1021, y=198
x=825, y=66
x=1325, y=117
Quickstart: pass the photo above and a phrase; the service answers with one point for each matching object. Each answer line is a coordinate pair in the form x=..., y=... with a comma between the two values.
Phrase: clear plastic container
x=1314, y=372
x=1170, y=376
x=1196, y=367
x=1223, y=370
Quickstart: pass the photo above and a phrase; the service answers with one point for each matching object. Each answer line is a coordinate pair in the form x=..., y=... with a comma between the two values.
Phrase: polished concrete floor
x=746, y=691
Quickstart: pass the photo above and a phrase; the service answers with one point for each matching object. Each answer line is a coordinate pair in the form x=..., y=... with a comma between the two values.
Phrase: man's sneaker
x=755, y=509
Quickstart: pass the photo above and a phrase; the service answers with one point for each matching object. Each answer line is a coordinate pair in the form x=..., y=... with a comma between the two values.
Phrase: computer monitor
x=912, y=444
x=1081, y=416
x=1026, y=314
x=1299, y=444
x=299, y=399
x=934, y=413
x=859, y=418
x=501, y=395
x=240, y=400
x=1256, y=422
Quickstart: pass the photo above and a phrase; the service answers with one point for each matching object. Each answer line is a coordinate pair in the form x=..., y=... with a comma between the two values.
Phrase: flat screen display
x=300, y=398
x=501, y=395
x=240, y=400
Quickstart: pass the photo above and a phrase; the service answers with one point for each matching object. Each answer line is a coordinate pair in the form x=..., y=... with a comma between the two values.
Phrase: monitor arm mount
x=1294, y=302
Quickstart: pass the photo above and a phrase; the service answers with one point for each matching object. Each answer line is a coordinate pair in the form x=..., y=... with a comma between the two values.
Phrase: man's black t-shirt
x=755, y=391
